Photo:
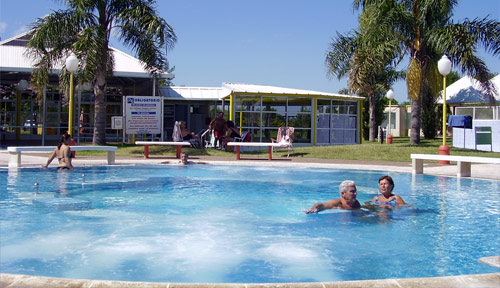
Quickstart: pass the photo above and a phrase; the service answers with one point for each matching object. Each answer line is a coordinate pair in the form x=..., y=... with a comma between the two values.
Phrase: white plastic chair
x=285, y=137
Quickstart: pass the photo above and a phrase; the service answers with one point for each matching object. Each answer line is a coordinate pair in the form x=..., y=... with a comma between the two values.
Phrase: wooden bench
x=171, y=143
x=463, y=162
x=16, y=151
x=270, y=146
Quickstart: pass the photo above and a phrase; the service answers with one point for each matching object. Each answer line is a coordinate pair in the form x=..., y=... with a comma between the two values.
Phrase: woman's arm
x=51, y=157
x=400, y=200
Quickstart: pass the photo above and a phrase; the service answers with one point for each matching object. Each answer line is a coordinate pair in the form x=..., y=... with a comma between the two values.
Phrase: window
x=484, y=113
x=263, y=115
x=337, y=122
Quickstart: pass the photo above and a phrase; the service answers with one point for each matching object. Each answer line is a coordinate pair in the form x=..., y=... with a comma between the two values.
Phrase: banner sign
x=143, y=114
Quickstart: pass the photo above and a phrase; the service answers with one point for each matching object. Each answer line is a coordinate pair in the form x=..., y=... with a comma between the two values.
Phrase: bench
x=463, y=162
x=270, y=146
x=167, y=143
x=16, y=151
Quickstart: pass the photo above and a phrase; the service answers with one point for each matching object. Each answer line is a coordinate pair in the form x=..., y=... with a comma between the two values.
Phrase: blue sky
x=268, y=42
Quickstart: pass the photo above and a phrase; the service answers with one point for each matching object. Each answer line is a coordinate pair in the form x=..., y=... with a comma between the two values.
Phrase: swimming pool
x=232, y=224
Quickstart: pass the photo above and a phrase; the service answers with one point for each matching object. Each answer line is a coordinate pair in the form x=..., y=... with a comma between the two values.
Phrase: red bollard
x=72, y=142
x=389, y=139
x=444, y=150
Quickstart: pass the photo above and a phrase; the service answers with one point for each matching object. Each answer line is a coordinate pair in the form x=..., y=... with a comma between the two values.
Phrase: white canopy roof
x=264, y=89
x=468, y=90
x=13, y=59
x=218, y=93
x=194, y=93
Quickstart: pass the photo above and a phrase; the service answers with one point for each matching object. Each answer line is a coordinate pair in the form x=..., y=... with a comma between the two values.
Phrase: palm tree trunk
x=100, y=109
x=373, y=132
x=416, y=105
x=416, y=109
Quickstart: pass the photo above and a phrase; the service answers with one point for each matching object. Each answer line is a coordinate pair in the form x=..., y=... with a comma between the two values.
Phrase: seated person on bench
x=231, y=134
x=189, y=136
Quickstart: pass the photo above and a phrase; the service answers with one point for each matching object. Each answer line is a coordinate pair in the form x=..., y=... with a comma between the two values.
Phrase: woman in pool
x=63, y=154
x=385, y=186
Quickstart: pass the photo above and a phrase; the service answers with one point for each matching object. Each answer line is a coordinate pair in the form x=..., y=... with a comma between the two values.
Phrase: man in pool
x=184, y=158
x=347, y=199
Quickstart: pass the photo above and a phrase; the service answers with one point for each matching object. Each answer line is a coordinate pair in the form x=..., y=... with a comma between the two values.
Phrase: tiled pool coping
x=477, y=280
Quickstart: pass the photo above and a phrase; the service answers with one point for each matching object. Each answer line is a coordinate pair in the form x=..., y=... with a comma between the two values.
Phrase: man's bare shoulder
x=334, y=203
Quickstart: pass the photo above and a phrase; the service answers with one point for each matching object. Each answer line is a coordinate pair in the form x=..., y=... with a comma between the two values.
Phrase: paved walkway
x=479, y=171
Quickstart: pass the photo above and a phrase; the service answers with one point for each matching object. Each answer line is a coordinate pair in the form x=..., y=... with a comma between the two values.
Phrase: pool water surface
x=235, y=224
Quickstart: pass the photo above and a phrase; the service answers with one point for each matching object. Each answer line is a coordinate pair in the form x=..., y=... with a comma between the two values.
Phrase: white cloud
x=3, y=26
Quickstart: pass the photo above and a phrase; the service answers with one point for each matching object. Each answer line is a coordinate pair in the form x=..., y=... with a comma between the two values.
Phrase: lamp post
x=444, y=67
x=71, y=66
x=389, y=95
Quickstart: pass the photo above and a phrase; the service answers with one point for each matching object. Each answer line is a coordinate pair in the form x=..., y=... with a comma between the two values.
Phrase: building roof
x=194, y=93
x=264, y=89
x=218, y=93
x=13, y=59
x=468, y=90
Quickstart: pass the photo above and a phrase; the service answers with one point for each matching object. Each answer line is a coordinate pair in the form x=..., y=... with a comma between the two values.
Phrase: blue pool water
x=204, y=223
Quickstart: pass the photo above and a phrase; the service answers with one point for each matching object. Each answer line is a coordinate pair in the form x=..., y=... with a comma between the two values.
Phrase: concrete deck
x=479, y=171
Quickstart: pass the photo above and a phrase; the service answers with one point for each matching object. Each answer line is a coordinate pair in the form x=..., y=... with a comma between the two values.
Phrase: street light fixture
x=71, y=66
x=389, y=95
x=444, y=67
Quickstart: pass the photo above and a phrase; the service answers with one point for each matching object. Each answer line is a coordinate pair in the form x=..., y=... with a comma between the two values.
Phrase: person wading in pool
x=386, y=199
x=63, y=154
x=347, y=199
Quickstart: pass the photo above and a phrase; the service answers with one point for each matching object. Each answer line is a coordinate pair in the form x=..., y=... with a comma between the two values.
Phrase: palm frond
x=461, y=40
x=142, y=30
x=339, y=54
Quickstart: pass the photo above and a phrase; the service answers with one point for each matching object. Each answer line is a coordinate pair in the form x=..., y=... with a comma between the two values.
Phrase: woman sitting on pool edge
x=346, y=201
x=63, y=154
x=385, y=186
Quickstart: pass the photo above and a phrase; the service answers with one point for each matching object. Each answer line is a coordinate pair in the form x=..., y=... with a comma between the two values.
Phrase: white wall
x=465, y=138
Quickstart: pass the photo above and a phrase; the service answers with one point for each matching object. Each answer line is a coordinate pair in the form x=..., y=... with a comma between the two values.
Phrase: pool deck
x=479, y=171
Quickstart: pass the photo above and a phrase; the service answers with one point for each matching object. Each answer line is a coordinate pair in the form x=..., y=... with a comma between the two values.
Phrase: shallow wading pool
x=234, y=224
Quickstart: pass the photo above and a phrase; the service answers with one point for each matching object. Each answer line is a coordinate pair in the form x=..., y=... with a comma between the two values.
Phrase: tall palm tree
x=423, y=28
x=85, y=29
x=367, y=63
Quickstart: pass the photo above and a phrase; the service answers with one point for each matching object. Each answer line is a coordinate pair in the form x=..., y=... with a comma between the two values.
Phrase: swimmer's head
x=184, y=158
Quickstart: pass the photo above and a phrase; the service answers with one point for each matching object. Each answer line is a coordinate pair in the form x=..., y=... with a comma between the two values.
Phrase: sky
x=266, y=42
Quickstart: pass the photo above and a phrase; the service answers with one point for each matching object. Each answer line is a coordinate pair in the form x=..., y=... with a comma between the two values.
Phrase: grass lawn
x=398, y=151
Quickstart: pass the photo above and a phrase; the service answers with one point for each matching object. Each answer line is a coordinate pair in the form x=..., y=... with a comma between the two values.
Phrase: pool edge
x=473, y=280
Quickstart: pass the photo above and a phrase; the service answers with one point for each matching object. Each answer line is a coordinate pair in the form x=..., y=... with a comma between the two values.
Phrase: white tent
x=468, y=90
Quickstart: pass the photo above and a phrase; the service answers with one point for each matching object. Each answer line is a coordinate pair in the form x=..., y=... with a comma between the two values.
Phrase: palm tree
x=424, y=31
x=367, y=63
x=85, y=29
